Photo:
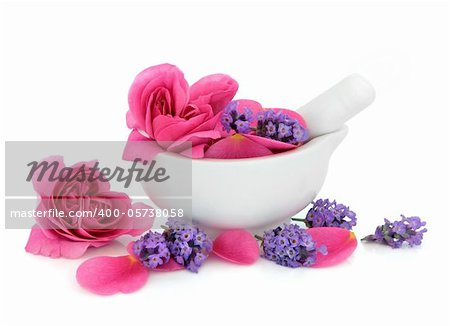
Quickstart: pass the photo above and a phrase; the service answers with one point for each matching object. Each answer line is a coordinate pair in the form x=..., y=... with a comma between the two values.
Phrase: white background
x=65, y=73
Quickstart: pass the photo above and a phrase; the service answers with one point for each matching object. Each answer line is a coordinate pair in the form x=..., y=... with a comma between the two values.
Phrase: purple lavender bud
x=232, y=119
x=414, y=222
x=394, y=234
x=226, y=120
x=290, y=246
x=284, y=130
x=151, y=249
x=328, y=213
x=242, y=127
x=300, y=134
x=189, y=245
x=279, y=126
x=271, y=129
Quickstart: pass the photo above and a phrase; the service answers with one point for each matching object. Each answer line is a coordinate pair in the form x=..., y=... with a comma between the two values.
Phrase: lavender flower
x=188, y=245
x=152, y=250
x=394, y=234
x=232, y=119
x=290, y=246
x=279, y=126
x=326, y=213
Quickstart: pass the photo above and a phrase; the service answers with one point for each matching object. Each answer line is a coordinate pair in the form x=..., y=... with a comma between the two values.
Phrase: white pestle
x=330, y=110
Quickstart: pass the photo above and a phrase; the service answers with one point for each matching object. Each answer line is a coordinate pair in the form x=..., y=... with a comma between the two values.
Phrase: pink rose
x=164, y=108
x=70, y=235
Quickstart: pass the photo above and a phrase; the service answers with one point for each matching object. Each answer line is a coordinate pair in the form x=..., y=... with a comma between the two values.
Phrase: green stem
x=299, y=219
x=259, y=237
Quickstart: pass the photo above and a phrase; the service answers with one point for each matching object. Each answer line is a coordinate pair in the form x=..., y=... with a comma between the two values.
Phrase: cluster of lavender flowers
x=152, y=250
x=326, y=213
x=291, y=246
x=232, y=119
x=394, y=234
x=189, y=245
x=279, y=126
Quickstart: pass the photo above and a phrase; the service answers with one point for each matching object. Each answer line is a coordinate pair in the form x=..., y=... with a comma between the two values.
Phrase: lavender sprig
x=290, y=246
x=232, y=119
x=326, y=213
x=279, y=126
x=394, y=234
x=188, y=245
x=152, y=250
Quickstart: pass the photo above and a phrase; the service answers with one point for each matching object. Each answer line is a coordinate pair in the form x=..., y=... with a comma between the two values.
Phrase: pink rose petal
x=253, y=106
x=149, y=81
x=39, y=244
x=195, y=152
x=170, y=266
x=216, y=90
x=236, y=246
x=139, y=147
x=340, y=243
x=193, y=139
x=109, y=275
x=236, y=146
x=44, y=187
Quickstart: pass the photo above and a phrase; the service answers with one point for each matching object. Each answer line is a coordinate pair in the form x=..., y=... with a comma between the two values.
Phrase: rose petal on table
x=340, y=243
x=236, y=146
x=170, y=266
x=109, y=275
x=237, y=246
x=39, y=244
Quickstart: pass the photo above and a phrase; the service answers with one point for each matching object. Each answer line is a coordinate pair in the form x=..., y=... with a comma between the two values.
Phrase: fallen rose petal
x=236, y=246
x=236, y=146
x=39, y=244
x=340, y=243
x=170, y=266
x=109, y=275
